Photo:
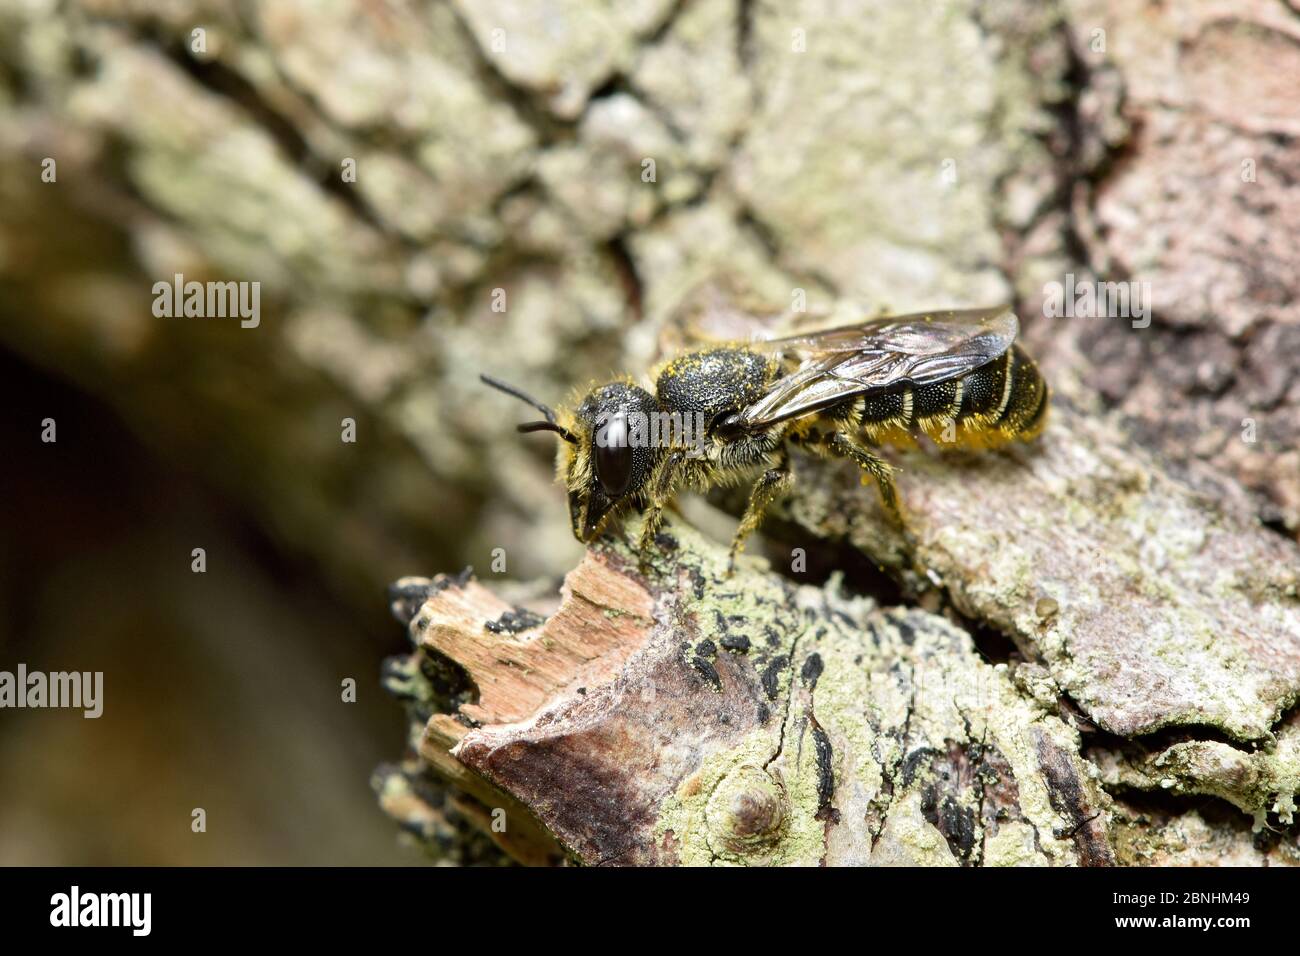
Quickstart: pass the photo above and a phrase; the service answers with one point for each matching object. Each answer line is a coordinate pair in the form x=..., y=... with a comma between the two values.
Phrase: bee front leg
x=654, y=519
x=773, y=484
x=873, y=465
x=658, y=495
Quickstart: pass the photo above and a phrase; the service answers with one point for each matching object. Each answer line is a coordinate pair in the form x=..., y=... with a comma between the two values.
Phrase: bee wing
x=858, y=359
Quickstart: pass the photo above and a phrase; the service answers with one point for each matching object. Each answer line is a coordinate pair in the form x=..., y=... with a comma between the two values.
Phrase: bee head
x=604, y=459
x=612, y=461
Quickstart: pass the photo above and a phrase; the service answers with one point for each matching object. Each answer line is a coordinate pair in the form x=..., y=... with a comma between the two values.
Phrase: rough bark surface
x=692, y=717
x=897, y=156
x=1150, y=606
x=682, y=716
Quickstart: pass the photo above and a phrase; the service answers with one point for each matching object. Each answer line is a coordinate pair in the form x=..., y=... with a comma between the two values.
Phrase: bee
x=733, y=412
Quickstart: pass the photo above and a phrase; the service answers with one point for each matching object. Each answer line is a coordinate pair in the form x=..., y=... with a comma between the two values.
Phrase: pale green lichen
x=887, y=689
x=686, y=813
x=1259, y=783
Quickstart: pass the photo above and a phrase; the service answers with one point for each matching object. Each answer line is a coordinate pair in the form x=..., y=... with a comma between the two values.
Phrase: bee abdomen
x=1011, y=405
x=1005, y=400
x=1025, y=411
x=938, y=401
x=888, y=416
x=985, y=387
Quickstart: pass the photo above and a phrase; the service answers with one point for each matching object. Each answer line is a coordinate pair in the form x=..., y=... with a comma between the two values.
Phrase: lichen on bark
x=748, y=719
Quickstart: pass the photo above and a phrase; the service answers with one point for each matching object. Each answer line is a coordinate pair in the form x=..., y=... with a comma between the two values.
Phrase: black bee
x=722, y=414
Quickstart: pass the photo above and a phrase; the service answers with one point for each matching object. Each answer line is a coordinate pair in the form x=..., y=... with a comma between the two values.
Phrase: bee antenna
x=501, y=386
x=548, y=427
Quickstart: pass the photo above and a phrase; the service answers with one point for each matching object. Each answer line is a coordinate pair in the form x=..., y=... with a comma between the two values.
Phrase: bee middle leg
x=873, y=465
x=772, y=484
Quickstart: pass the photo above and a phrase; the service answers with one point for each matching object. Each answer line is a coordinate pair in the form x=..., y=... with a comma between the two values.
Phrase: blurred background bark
x=902, y=156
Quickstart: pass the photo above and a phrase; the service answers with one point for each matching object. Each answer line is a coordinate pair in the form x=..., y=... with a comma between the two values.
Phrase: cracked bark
x=851, y=733
x=873, y=747
x=1171, y=664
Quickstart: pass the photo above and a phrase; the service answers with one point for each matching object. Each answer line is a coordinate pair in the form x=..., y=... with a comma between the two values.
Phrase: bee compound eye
x=613, y=456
